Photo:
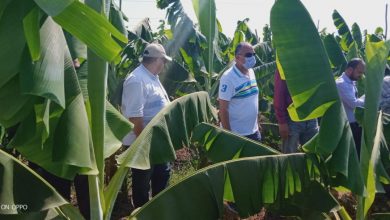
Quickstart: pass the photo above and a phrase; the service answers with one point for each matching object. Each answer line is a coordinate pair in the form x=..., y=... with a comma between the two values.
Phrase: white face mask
x=249, y=62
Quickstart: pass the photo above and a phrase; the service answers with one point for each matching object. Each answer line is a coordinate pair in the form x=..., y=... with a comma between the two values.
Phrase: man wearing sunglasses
x=238, y=95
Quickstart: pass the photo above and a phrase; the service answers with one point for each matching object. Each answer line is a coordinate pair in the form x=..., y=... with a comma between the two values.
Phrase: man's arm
x=226, y=92
x=133, y=104
x=224, y=113
x=347, y=95
x=138, y=125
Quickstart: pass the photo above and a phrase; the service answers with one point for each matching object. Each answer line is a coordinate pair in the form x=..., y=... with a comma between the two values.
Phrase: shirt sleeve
x=280, y=104
x=385, y=94
x=226, y=89
x=133, y=99
x=347, y=95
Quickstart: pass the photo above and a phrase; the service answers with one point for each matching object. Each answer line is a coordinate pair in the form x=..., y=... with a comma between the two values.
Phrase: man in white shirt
x=142, y=98
x=346, y=86
x=238, y=95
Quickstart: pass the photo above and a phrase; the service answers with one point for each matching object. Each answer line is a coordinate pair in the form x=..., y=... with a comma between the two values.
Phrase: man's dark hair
x=353, y=63
x=148, y=60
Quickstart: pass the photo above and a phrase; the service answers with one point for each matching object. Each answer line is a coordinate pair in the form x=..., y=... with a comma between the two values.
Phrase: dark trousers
x=63, y=188
x=357, y=135
x=158, y=176
x=255, y=136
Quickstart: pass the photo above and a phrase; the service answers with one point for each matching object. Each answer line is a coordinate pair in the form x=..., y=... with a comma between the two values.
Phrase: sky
x=369, y=14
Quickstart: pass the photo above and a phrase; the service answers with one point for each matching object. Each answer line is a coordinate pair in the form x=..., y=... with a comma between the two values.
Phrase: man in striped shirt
x=238, y=95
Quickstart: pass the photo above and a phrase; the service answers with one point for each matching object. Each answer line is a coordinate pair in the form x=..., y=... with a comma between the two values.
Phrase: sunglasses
x=249, y=54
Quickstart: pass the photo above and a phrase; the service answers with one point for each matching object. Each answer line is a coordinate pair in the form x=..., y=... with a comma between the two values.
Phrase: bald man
x=238, y=95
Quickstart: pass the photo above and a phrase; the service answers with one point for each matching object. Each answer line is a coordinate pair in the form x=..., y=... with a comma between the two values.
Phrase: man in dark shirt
x=292, y=133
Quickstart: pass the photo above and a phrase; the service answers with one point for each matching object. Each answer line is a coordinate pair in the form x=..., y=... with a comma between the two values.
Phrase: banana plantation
x=63, y=67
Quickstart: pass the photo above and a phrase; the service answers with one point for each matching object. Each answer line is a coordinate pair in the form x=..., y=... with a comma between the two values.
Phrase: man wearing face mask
x=142, y=98
x=346, y=86
x=238, y=95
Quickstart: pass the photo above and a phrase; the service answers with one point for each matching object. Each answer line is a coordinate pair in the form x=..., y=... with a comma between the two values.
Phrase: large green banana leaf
x=18, y=182
x=376, y=55
x=46, y=77
x=283, y=183
x=117, y=18
x=54, y=120
x=305, y=65
x=116, y=126
x=221, y=145
x=343, y=30
x=334, y=52
x=53, y=137
x=168, y=131
x=188, y=41
x=12, y=38
x=357, y=35
x=31, y=32
x=80, y=20
x=205, y=11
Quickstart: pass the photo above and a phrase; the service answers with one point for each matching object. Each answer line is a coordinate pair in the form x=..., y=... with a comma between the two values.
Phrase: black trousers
x=63, y=187
x=357, y=135
x=157, y=176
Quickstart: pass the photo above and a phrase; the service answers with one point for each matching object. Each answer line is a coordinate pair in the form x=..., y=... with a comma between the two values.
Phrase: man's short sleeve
x=226, y=89
x=133, y=99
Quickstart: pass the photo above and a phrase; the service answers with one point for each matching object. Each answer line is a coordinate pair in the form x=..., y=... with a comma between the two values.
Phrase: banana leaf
x=168, y=131
x=334, y=52
x=376, y=55
x=12, y=38
x=31, y=31
x=215, y=140
x=343, y=30
x=357, y=35
x=205, y=11
x=306, y=68
x=18, y=181
x=80, y=20
x=46, y=78
x=66, y=148
x=278, y=182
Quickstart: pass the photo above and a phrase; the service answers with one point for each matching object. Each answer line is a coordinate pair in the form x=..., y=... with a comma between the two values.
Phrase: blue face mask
x=249, y=62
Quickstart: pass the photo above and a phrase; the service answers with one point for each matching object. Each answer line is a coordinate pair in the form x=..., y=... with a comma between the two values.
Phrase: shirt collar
x=238, y=72
x=347, y=79
x=151, y=75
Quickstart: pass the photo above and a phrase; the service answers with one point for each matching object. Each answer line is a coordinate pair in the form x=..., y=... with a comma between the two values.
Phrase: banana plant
x=346, y=175
x=335, y=54
x=314, y=95
x=343, y=47
x=59, y=124
x=205, y=11
x=370, y=163
x=242, y=34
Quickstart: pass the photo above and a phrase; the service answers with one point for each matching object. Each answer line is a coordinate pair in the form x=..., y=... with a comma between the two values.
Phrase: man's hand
x=283, y=131
x=138, y=125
